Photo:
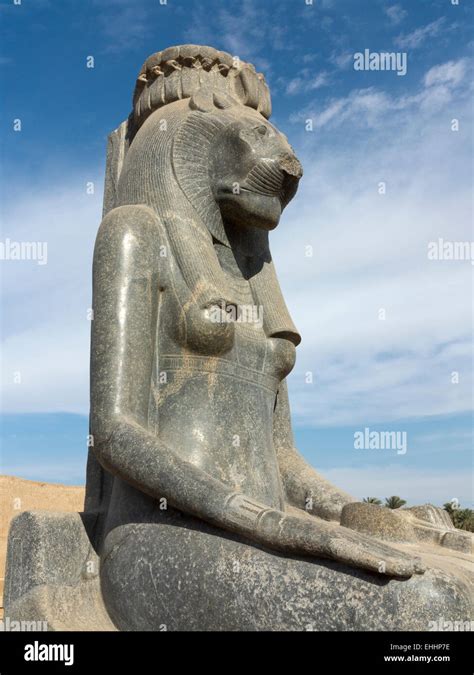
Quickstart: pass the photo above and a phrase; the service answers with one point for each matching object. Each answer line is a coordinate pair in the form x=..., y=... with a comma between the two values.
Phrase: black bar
x=312, y=652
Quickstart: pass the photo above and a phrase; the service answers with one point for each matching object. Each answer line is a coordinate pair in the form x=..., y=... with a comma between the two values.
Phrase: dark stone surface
x=206, y=516
x=52, y=572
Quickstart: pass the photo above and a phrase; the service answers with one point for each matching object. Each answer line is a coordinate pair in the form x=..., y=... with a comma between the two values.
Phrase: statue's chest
x=186, y=336
x=252, y=348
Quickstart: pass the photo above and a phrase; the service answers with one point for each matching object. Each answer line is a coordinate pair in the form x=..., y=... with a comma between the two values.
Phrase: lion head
x=211, y=165
x=253, y=172
x=230, y=160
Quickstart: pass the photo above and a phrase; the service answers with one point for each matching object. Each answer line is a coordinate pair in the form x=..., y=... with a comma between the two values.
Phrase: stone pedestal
x=52, y=572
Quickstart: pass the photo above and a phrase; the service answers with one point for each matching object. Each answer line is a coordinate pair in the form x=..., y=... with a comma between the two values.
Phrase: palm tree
x=394, y=502
x=451, y=507
x=463, y=519
x=372, y=500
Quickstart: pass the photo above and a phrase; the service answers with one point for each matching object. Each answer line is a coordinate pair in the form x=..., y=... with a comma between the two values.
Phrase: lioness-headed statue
x=208, y=517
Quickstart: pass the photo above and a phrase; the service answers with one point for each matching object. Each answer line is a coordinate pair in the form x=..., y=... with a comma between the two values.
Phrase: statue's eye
x=261, y=130
x=255, y=134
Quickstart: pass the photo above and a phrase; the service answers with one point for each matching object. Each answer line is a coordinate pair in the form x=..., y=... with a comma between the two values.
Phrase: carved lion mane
x=184, y=100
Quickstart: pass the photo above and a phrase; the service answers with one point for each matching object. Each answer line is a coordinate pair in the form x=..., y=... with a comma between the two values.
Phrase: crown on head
x=180, y=72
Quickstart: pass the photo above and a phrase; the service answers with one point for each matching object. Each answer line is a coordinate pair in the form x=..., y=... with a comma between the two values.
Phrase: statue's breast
x=232, y=343
x=256, y=351
x=214, y=405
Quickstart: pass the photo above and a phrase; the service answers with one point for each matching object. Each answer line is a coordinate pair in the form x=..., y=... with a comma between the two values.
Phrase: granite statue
x=200, y=513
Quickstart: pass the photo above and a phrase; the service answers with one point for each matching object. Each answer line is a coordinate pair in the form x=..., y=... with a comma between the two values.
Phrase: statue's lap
x=180, y=574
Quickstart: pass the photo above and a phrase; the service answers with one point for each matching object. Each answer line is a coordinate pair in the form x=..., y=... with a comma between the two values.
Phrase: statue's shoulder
x=136, y=222
x=132, y=233
x=137, y=219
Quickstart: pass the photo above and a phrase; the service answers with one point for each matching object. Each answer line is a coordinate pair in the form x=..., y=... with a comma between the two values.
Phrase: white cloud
x=372, y=107
x=341, y=59
x=46, y=336
x=452, y=439
x=370, y=252
x=307, y=83
x=396, y=14
x=417, y=37
x=450, y=73
x=364, y=104
x=243, y=33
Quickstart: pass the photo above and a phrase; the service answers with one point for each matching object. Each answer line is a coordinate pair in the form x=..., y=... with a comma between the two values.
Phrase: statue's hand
x=312, y=536
x=309, y=535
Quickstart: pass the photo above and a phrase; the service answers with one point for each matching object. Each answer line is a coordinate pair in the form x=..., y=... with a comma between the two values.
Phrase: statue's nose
x=292, y=172
x=290, y=165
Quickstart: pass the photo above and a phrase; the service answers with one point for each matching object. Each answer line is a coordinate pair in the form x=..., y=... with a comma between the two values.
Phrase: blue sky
x=369, y=249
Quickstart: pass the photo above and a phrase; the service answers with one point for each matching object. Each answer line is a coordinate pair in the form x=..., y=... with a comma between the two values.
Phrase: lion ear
x=206, y=100
x=202, y=100
x=223, y=100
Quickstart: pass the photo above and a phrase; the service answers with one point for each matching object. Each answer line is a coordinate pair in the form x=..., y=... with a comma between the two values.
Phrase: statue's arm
x=126, y=287
x=125, y=300
x=305, y=488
